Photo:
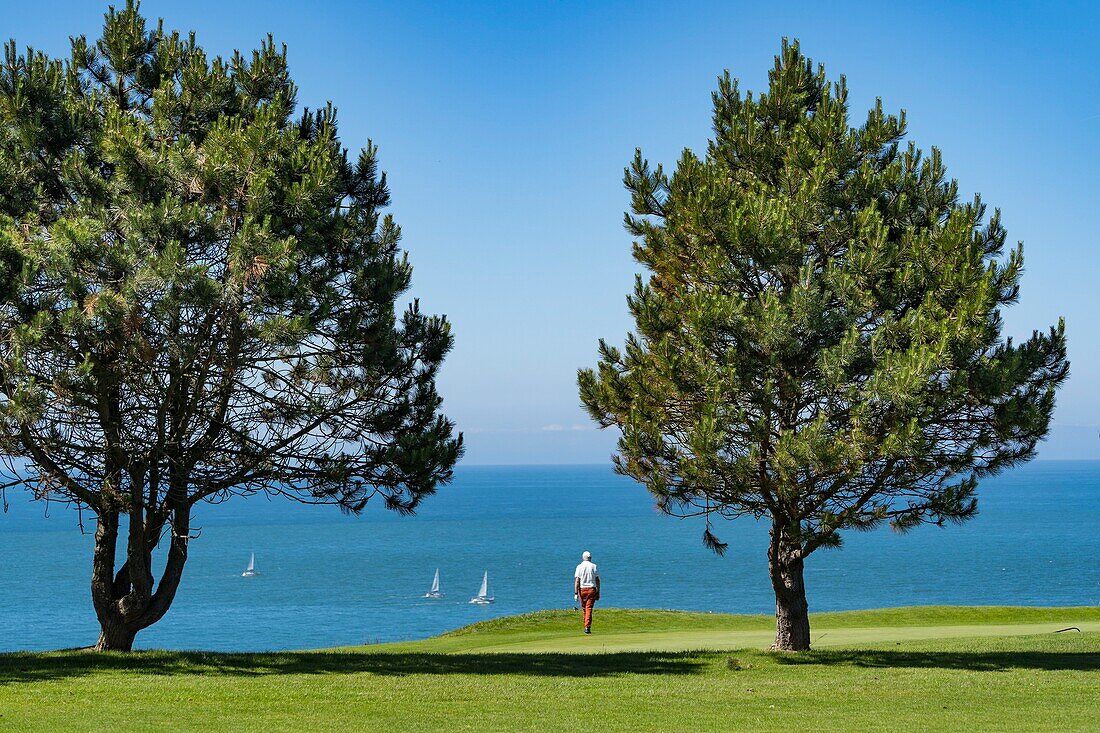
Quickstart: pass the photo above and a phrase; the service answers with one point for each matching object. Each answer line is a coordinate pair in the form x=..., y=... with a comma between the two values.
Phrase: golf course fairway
x=924, y=668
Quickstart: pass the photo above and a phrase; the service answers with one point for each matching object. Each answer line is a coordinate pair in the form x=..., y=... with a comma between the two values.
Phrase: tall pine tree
x=197, y=299
x=818, y=338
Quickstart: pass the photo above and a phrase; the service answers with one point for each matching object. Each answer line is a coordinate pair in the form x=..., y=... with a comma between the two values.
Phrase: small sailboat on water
x=251, y=569
x=483, y=598
x=435, y=592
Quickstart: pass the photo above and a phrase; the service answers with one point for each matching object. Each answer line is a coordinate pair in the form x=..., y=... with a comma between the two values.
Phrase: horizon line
x=566, y=465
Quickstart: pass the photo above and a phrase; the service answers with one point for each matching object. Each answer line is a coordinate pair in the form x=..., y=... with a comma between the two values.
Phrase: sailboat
x=251, y=569
x=435, y=592
x=483, y=598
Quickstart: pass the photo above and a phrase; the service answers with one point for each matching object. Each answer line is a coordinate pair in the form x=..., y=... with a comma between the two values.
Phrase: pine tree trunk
x=115, y=635
x=792, y=618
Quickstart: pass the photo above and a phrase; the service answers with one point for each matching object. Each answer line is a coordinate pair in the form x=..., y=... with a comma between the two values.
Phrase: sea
x=328, y=579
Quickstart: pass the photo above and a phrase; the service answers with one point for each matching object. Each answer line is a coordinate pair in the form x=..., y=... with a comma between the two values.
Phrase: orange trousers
x=588, y=600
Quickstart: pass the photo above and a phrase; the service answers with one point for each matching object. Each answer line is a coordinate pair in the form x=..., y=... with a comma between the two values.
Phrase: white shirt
x=587, y=573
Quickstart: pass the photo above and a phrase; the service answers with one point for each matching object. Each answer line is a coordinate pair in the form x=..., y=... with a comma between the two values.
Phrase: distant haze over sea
x=578, y=442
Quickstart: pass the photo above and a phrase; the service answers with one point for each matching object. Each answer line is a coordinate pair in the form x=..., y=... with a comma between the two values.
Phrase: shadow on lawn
x=28, y=667
x=975, y=661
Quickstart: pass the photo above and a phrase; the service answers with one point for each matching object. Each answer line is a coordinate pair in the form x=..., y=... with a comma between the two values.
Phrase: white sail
x=435, y=592
x=251, y=569
x=483, y=598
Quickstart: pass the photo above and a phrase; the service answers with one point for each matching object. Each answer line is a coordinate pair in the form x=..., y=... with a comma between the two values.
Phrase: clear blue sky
x=504, y=128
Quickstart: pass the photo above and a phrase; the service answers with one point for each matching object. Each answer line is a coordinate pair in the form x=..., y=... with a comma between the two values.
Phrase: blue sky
x=504, y=128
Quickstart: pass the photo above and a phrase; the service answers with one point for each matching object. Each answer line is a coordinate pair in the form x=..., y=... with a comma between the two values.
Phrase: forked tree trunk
x=125, y=601
x=792, y=618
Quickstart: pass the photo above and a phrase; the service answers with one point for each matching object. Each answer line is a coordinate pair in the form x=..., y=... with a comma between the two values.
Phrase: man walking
x=586, y=587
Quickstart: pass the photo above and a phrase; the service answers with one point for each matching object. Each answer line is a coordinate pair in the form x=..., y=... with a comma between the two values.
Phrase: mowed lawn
x=917, y=669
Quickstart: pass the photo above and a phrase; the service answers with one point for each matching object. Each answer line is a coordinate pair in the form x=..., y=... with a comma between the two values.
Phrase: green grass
x=934, y=668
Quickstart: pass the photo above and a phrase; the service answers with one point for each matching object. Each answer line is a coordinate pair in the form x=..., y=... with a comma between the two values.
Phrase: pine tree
x=197, y=300
x=818, y=341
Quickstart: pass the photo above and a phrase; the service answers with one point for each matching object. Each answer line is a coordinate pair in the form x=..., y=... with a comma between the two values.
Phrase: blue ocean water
x=328, y=579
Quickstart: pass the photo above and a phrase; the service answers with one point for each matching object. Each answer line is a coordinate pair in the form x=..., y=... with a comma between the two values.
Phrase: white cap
x=586, y=555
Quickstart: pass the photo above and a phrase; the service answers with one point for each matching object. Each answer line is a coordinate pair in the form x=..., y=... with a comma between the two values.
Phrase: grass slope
x=935, y=668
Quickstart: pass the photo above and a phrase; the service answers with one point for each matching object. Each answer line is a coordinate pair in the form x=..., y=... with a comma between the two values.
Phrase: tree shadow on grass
x=28, y=667
x=974, y=661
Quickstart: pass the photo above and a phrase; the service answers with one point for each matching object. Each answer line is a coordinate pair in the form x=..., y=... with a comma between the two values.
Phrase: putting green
x=647, y=630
